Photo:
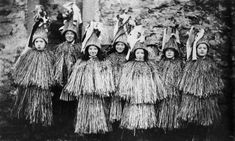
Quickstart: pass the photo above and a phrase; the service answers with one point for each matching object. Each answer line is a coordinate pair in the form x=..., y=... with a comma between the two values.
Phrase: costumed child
x=140, y=86
x=117, y=56
x=33, y=75
x=66, y=54
x=91, y=82
x=201, y=85
x=171, y=69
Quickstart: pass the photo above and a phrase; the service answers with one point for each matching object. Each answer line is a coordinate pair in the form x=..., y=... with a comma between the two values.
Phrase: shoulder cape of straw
x=138, y=116
x=200, y=111
x=92, y=115
x=141, y=86
x=171, y=71
x=167, y=113
x=66, y=56
x=35, y=68
x=168, y=108
x=201, y=78
x=140, y=82
x=34, y=104
x=92, y=77
x=117, y=61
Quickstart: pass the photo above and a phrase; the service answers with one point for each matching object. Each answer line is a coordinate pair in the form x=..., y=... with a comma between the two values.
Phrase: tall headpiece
x=72, y=18
x=40, y=27
x=120, y=29
x=193, y=41
x=171, y=44
x=135, y=39
x=92, y=35
x=168, y=33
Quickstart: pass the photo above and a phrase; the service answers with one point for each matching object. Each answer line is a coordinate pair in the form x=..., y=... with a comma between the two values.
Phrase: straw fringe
x=201, y=78
x=168, y=108
x=66, y=56
x=141, y=85
x=35, y=68
x=140, y=82
x=35, y=105
x=115, y=109
x=90, y=77
x=201, y=111
x=167, y=117
x=107, y=78
x=138, y=116
x=91, y=116
x=117, y=61
x=171, y=71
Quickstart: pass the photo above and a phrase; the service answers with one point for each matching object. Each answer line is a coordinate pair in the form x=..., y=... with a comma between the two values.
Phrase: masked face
x=40, y=44
x=69, y=36
x=202, y=50
x=170, y=53
x=93, y=50
x=120, y=47
x=139, y=53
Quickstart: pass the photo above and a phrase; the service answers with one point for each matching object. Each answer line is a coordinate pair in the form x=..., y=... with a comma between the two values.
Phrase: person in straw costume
x=171, y=69
x=66, y=54
x=91, y=82
x=34, y=77
x=117, y=56
x=69, y=51
x=201, y=85
x=140, y=86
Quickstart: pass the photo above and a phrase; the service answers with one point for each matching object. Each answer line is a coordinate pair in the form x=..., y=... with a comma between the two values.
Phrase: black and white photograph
x=117, y=70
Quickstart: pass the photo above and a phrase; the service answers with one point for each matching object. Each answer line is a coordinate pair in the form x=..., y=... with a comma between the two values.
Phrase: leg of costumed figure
x=91, y=117
x=35, y=104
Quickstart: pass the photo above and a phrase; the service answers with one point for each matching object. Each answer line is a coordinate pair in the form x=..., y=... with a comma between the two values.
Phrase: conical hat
x=93, y=40
x=200, y=38
x=73, y=19
x=171, y=44
x=70, y=26
x=120, y=36
x=203, y=40
x=139, y=45
x=40, y=33
x=40, y=27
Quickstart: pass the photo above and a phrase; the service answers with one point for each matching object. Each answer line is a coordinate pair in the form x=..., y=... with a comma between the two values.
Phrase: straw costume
x=117, y=60
x=171, y=69
x=68, y=52
x=141, y=87
x=91, y=81
x=201, y=85
x=33, y=75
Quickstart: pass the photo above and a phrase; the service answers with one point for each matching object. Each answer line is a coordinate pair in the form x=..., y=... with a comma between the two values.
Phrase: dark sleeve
x=77, y=52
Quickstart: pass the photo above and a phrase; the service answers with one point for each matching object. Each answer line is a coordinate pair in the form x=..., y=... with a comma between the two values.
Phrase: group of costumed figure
x=121, y=90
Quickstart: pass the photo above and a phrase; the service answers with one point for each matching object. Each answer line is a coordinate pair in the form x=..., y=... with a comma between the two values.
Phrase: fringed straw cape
x=66, y=55
x=168, y=108
x=34, y=77
x=201, y=85
x=141, y=86
x=117, y=61
x=90, y=82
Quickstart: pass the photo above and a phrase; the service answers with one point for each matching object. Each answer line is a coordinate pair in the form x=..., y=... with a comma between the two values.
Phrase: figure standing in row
x=66, y=55
x=91, y=83
x=33, y=75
